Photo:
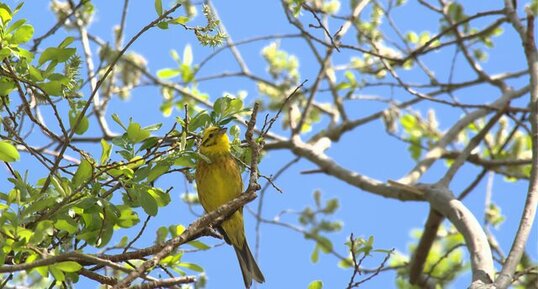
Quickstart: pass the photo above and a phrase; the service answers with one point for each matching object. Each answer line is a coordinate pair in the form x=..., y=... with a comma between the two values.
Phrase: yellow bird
x=218, y=182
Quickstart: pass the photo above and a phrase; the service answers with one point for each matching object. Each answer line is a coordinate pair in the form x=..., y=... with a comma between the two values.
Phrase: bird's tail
x=249, y=268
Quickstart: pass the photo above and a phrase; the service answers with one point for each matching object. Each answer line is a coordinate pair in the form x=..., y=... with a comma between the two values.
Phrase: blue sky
x=285, y=255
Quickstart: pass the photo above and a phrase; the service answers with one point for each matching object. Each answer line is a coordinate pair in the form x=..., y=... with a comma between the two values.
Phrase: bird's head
x=215, y=141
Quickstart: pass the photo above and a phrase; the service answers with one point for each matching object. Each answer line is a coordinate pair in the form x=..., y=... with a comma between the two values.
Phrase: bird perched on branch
x=219, y=181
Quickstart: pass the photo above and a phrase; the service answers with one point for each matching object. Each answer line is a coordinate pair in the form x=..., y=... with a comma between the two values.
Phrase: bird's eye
x=210, y=135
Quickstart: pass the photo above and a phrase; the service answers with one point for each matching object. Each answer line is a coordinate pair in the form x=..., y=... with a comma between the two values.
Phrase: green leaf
x=221, y=104
x=117, y=119
x=481, y=55
x=183, y=141
x=455, y=11
x=38, y=206
x=123, y=242
x=83, y=173
x=5, y=13
x=23, y=53
x=316, y=284
x=16, y=25
x=8, y=152
x=168, y=73
x=325, y=244
x=408, y=122
x=331, y=206
x=4, y=52
x=58, y=186
x=35, y=73
x=412, y=37
x=236, y=105
x=176, y=230
x=317, y=198
x=159, y=7
x=384, y=251
x=68, y=266
x=187, y=55
x=53, y=87
x=157, y=171
x=6, y=87
x=226, y=121
x=351, y=79
x=345, y=263
x=175, y=56
x=153, y=127
x=107, y=150
x=180, y=20
x=56, y=54
x=148, y=203
x=163, y=25
x=191, y=266
x=414, y=148
x=135, y=133
x=185, y=161
x=167, y=108
x=67, y=225
x=58, y=275
x=172, y=261
x=314, y=257
x=199, y=245
x=68, y=40
x=105, y=234
x=23, y=34
x=187, y=74
x=160, y=196
x=43, y=271
x=162, y=232
x=128, y=217
x=203, y=157
x=199, y=120
x=82, y=126
x=234, y=131
x=149, y=143
x=424, y=37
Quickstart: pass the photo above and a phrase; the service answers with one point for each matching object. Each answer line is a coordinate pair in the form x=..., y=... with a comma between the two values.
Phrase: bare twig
x=60, y=23
x=261, y=202
x=137, y=235
x=269, y=124
x=321, y=25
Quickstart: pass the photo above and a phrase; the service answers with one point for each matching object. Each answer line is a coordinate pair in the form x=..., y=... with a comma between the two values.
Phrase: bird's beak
x=222, y=130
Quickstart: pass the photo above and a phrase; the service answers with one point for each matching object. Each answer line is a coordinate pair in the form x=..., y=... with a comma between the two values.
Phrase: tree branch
x=529, y=211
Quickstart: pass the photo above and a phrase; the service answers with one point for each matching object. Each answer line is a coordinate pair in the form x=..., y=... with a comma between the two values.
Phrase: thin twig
x=321, y=25
x=137, y=235
x=267, y=125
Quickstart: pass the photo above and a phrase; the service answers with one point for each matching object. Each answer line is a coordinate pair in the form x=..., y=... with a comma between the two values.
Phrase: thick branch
x=329, y=166
x=423, y=249
x=165, y=283
x=442, y=200
x=529, y=212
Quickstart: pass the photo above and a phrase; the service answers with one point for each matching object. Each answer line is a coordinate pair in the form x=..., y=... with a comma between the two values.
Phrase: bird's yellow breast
x=218, y=182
